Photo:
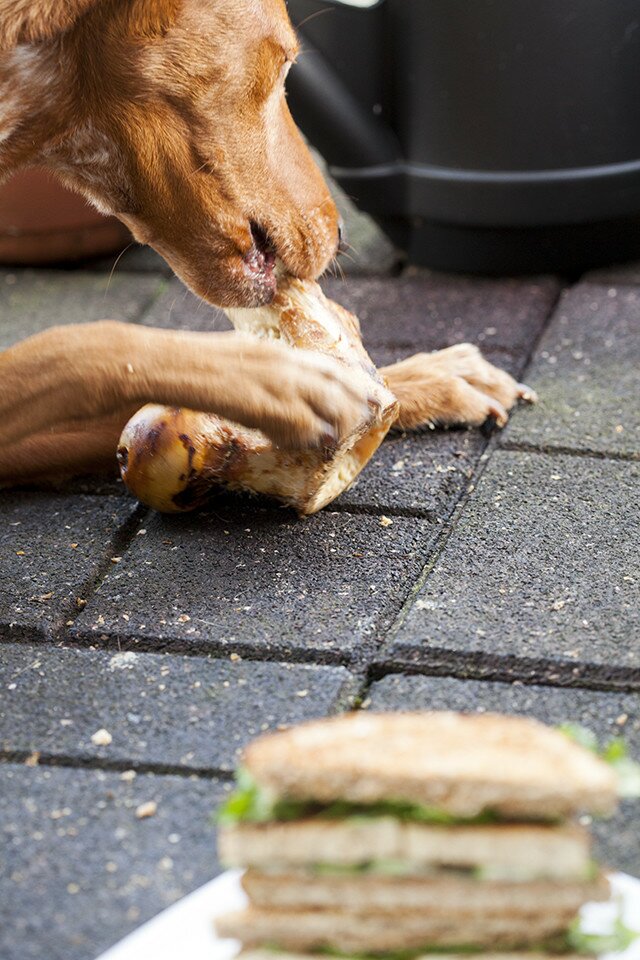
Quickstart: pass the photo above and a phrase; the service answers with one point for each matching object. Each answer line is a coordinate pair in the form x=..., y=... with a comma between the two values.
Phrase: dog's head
x=172, y=114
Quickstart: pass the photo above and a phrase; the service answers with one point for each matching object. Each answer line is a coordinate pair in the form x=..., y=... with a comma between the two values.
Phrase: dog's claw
x=527, y=394
x=498, y=413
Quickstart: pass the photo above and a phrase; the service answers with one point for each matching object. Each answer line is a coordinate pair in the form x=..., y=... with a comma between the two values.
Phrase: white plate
x=186, y=930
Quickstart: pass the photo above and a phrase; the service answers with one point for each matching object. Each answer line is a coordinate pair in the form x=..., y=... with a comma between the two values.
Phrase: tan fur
x=23, y=21
x=452, y=386
x=172, y=115
x=173, y=460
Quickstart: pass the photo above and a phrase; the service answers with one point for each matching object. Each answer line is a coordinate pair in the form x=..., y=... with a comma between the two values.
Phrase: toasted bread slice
x=375, y=932
x=461, y=764
x=456, y=896
x=518, y=850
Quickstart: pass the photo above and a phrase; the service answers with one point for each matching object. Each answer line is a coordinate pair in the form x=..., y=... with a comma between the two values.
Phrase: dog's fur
x=171, y=114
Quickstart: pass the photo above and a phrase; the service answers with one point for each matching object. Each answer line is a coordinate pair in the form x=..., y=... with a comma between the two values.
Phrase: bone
x=173, y=459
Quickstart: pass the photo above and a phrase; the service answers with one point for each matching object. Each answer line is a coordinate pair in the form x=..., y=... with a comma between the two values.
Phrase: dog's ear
x=36, y=21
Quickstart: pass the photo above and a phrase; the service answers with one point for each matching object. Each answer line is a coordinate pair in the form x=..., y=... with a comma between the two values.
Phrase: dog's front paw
x=451, y=387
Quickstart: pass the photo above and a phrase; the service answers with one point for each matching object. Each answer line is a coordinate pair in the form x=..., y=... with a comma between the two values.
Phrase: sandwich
x=402, y=835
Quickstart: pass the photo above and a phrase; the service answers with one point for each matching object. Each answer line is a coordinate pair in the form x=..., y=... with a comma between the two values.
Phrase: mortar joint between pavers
x=375, y=509
x=119, y=544
x=117, y=766
x=525, y=671
x=122, y=642
x=520, y=446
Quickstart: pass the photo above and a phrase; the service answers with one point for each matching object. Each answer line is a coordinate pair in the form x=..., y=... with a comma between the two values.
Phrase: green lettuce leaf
x=615, y=753
x=249, y=803
x=620, y=938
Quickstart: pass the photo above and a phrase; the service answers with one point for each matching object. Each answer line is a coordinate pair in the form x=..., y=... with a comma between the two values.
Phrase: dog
x=172, y=115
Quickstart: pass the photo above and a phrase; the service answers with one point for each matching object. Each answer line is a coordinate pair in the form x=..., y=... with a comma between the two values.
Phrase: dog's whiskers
x=350, y=246
x=312, y=16
x=116, y=262
x=347, y=256
x=337, y=269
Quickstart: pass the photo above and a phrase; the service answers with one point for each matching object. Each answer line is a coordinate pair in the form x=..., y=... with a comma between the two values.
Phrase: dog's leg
x=91, y=373
x=452, y=386
x=70, y=450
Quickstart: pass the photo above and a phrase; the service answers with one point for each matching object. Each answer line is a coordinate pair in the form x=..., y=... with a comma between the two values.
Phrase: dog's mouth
x=260, y=262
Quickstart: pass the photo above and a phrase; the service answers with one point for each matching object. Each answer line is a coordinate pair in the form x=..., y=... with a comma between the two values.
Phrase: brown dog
x=172, y=115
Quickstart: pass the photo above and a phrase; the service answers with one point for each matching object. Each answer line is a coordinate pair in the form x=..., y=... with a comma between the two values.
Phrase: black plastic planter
x=483, y=135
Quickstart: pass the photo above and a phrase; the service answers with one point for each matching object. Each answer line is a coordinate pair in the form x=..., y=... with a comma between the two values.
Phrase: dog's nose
x=342, y=243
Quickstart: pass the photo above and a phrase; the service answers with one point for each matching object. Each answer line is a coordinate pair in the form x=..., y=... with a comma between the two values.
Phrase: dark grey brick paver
x=587, y=373
x=172, y=711
x=426, y=311
x=80, y=870
x=543, y=568
x=50, y=547
x=31, y=300
x=607, y=714
x=259, y=578
x=424, y=472
x=177, y=308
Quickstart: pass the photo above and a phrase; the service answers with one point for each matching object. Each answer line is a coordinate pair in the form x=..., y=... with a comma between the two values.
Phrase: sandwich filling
x=250, y=803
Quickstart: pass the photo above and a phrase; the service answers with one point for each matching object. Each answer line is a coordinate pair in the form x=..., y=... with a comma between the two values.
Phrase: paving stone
x=81, y=870
x=427, y=311
x=32, y=300
x=161, y=709
x=179, y=309
x=41, y=571
x=540, y=578
x=251, y=578
x=99, y=484
x=586, y=373
x=607, y=714
x=425, y=472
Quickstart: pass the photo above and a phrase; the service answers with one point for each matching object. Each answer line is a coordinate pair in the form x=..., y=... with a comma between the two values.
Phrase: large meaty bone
x=171, y=459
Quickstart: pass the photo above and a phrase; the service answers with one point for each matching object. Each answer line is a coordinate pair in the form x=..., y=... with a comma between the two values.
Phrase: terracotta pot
x=42, y=222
